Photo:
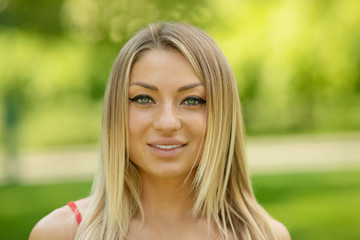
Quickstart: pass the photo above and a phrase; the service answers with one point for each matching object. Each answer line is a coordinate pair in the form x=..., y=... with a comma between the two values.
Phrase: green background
x=297, y=64
x=314, y=205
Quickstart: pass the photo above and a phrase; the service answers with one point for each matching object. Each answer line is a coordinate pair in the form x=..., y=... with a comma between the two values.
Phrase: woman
x=173, y=162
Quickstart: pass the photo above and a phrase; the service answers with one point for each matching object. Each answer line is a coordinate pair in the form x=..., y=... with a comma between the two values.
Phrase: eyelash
x=139, y=97
x=197, y=99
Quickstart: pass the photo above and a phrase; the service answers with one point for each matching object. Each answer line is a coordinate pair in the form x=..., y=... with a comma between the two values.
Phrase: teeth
x=167, y=146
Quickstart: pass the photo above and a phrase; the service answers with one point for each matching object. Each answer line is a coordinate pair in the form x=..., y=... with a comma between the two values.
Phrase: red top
x=76, y=211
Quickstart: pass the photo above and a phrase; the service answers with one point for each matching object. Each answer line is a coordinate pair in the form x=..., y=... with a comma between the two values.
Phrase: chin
x=171, y=173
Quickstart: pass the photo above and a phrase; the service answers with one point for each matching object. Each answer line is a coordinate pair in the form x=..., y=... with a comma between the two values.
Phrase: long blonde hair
x=224, y=194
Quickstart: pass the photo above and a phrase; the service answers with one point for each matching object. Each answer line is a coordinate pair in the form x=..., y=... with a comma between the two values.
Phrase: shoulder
x=59, y=224
x=280, y=230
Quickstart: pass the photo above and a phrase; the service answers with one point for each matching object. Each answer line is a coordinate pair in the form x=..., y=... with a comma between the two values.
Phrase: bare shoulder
x=59, y=224
x=280, y=230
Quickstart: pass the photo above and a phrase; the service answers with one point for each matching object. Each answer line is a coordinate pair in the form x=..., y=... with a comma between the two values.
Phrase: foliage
x=40, y=16
x=51, y=79
x=116, y=21
x=297, y=62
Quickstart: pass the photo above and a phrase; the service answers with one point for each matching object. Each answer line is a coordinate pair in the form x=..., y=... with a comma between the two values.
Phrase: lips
x=167, y=147
x=167, y=150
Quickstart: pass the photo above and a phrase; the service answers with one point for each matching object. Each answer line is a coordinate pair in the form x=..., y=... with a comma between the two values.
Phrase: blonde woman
x=173, y=160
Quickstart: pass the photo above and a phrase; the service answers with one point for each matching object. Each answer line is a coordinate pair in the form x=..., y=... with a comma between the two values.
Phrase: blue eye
x=194, y=101
x=142, y=99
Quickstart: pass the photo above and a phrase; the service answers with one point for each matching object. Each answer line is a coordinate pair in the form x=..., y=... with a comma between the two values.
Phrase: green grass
x=22, y=206
x=311, y=205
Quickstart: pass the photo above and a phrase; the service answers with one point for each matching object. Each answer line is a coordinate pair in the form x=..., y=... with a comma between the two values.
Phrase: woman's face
x=167, y=114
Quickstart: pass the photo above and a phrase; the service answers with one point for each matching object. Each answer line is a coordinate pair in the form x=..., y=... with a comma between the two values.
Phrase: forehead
x=158, y=66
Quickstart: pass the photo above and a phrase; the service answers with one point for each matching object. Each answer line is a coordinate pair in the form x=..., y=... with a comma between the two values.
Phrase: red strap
x=75, y=209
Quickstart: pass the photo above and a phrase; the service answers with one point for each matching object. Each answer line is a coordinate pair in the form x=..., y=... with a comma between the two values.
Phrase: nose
x=168, y=120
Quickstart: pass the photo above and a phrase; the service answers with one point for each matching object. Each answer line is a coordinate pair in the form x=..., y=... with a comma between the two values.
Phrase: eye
x=193, y=101
x=142, y=99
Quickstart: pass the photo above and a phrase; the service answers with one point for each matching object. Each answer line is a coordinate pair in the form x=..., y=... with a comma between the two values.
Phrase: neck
x=167, y=207
x=169, y=199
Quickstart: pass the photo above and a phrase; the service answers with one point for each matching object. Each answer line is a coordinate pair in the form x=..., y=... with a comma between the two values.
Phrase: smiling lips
x=166, y=150
x=167, y=147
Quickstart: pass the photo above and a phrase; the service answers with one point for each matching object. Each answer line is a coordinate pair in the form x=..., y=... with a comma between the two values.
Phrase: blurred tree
x=249, y=89
x=40, y=16
x=73, y=66
x=108, y=24
x=14, y=101
x=297, y=62
x=302, y=87
x=309, y=69
x=115, y=21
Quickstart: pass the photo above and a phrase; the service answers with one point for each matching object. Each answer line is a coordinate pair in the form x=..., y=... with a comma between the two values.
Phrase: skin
x=167, y=109
x=170, y=112
x=59, y=224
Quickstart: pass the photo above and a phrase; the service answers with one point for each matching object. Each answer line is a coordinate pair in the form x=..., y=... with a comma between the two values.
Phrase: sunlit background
x=297, y=63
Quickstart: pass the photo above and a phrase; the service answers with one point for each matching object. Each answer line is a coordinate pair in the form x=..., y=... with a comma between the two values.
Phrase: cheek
x=136, y=127
x=196, y=123
x=201, y=122
x=200, y=126
x=137, y=121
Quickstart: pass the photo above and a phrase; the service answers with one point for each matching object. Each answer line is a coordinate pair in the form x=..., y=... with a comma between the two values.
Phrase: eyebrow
x=154, y=88
x=186, y=87
x=145, y=85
